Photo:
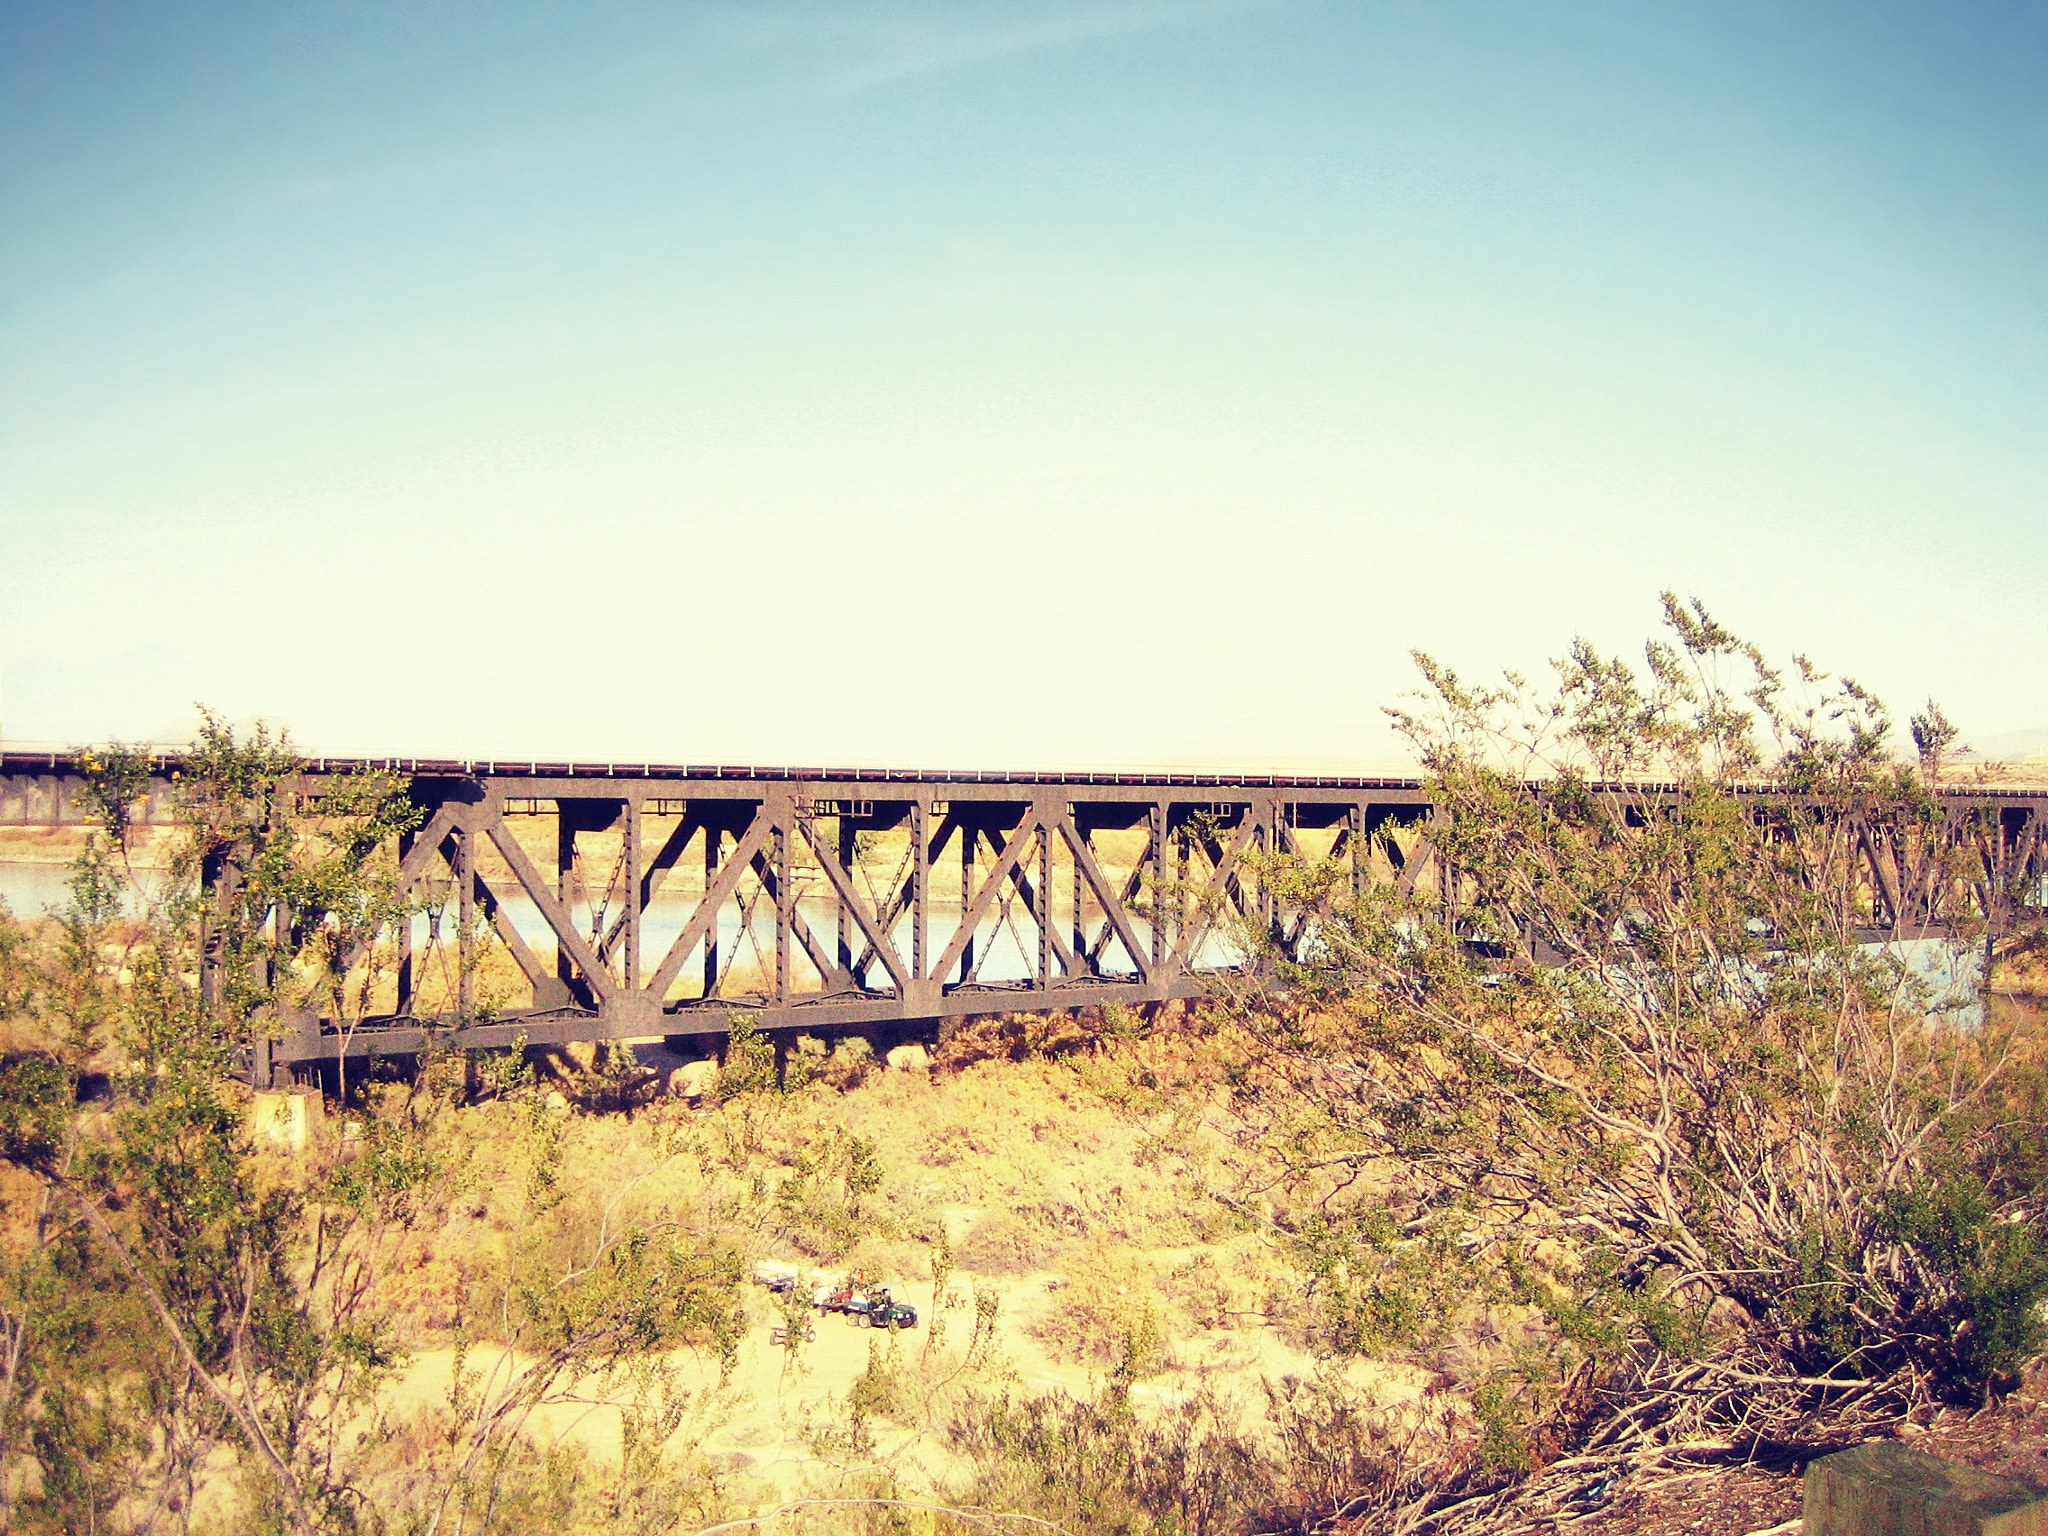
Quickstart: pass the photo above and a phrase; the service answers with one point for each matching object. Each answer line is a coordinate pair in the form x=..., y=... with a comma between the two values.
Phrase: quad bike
x=858, y=1305
x=846, y=1298
x=890, y=1314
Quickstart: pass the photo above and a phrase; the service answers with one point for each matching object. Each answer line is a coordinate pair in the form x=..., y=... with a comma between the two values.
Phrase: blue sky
x=992, y=384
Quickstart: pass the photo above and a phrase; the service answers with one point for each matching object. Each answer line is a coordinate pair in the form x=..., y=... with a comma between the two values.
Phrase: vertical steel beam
x=1044, y=903
x=968, y=836
x=1447, y=881
x=565, y=884
x=711, y=838
x=629, y=855
x=1180, y=891
x=1080, y=944
x=1161, y=945
x=1360, y=850
x=280, y=922
x=465, y=940
x=845, y=918
x=785, y=899
x=217, y=892
x=465, y=852
x=1270, y=818
x=404, y=983
x=920, y=884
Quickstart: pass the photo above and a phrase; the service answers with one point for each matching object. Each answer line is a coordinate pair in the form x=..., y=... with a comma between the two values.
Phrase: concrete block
x=909, y=1058
x=286, y=1119
x=693, y=1080
x=1884, y=1489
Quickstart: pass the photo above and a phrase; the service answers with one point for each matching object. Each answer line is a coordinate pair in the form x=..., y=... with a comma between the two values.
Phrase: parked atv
x=845, y=1298
x=890, y=1314
x=856, y=1305
x=777, y=1276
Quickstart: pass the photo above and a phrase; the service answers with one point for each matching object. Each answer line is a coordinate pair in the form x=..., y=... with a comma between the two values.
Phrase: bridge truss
x=564, y=902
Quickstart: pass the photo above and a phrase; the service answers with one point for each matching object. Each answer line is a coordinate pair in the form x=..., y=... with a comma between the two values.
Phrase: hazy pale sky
x=1018, y=383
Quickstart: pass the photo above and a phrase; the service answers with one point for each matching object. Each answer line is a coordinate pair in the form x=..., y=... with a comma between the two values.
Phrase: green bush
x=1718, y=1169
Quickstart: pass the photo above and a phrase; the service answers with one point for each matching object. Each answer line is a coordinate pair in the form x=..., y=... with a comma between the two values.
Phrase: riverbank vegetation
x=1620, y=1146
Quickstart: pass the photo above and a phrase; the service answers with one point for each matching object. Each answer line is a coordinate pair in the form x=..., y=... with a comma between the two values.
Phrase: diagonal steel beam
x=1413, y=863
x=1112, y=906
x=827, y=966
x=551, y=908
x=1291, y=934
x=1990, y=890
x=426, y=847
x=655, y=877
x=1221, y=877
x=672, y=851
x=1883, y=871
x=2029, y=865
x=878, y=943
x=515, y=942
x=975, y=911
x=1223, y=866
x=2012, y=865
x=738, y=863
x=1133, y=884
x=905, y=894
x=1036, y=826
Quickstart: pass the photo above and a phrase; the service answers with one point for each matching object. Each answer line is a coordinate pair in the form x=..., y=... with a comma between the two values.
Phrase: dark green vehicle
x=877, y=1310
x=890, y=1314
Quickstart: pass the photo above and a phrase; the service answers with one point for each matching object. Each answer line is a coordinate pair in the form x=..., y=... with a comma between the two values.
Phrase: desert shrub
x=1718, y=1171
x=1004, y=1243
x=822, y=1203
x=885, y=1388
x=183, y=1312
x=749, y=1064
x=1097, y=1465
x=849, y=1064
x=976, y=1038
x=601, y=1076
x=1107, y=1312
x=1011, y=1037
x=1199, y=1289
x=659, y=1483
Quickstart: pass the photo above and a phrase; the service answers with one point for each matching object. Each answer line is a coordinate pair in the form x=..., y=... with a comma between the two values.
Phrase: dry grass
x=1074, y=1197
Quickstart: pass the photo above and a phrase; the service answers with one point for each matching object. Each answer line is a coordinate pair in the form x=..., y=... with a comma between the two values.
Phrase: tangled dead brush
x=1626, y=1119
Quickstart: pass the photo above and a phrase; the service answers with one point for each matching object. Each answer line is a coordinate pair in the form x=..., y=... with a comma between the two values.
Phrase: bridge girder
x=681, y=897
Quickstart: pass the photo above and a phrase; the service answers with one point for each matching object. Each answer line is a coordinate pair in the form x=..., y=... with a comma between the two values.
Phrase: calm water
x=31, y=890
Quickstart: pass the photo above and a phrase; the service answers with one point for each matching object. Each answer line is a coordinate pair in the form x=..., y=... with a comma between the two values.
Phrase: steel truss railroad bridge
x=670, y=899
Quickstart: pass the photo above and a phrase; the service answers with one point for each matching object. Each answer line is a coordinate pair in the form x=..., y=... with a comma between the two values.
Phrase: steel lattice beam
x=1002, y=897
